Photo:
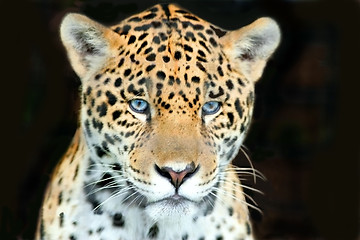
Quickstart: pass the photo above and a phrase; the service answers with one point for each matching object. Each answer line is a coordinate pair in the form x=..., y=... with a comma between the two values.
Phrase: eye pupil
x=210, y=108
x=138, y=105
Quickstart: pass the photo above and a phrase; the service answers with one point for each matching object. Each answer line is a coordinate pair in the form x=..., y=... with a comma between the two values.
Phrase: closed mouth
x=174, y=200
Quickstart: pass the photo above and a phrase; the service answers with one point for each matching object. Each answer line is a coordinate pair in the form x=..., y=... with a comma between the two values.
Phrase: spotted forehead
x=171, y=50
x=168, y=17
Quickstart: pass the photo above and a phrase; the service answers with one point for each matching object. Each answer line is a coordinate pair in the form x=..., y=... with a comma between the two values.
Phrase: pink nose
x=177, y=177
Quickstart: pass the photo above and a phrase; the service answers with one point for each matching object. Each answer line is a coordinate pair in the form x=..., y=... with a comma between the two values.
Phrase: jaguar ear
x=87, y=42
x=251, y=46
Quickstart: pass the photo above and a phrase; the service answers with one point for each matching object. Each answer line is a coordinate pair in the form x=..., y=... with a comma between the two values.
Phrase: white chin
x=171, y=211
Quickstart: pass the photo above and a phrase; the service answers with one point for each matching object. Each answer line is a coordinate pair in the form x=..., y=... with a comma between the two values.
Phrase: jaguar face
x=167, y=99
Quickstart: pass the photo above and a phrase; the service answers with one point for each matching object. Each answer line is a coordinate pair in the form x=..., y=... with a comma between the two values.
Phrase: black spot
x=139, y=73
x=142, y=81
x=202, y=43
x=111, y=98
x=88, y=90
x=117, y=29
x=231, y=211
x=202, y=36
x=102, y=109
x=171, y=80
x=221, y=59
x=132, y=58
x=212, y=95
x=76, y=172
x=121, y=62
x=148, y=50
x=116, y=115
x=61, y=219
x=185, y=237
x=156, y=24
x=219, y=238
x=171, y=95
x=182, y=11
x=213, y=42
x=118, y=82
x=242, y=127
x=238, y=108
x=149, y=16
x=201, y=59
x=248, y=228
x=98, y=76
x=161, y=75
x=241, y=82
x=142, y=28
x=200, y=66
x=72, y=237
x=156, y=40
x=201, y=53
x=195, y=79
x=134, y=19
x=166, y=59
x=188, y=48
x=161, y=48
x=191, y=17
x=107, y=80
x=163, y=36
x=141, y=47
x=117, y=167
x=221, y=73
x=154, y=9
x=132, y=39
x=231, y=118
x=100, y=152
x=87, y=127
x=125, y=30
x=153, y=231
x=209, y=31
x=122, y=94
x=60, y=197
x=159, y=86
x=190, y=35
x=198, y=27
x=165, y=8
x=151, y=57
x=198, y=91
x=229, y=84
x=42, y=229
x=219, y=32
x=127, y=72
x=118, y=220
x=150, y=67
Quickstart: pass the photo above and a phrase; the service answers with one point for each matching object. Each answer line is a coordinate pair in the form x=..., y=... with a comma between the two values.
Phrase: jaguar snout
x=177, y=176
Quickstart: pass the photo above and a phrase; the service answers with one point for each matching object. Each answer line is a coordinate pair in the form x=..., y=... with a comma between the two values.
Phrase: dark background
x=304, y=136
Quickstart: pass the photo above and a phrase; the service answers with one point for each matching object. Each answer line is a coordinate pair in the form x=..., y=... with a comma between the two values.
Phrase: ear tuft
x=87, y=42
x=251, y=46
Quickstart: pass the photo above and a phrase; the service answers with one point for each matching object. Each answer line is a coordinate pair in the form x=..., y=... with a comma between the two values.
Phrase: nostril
x=190, y=172
x=163, y=172
x=177, y=177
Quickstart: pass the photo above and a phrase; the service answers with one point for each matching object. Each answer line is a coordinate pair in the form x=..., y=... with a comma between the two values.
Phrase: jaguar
x=166, y=101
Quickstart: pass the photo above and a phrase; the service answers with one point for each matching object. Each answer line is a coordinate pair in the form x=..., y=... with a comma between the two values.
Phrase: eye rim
x=142, y=110
x=206, y=112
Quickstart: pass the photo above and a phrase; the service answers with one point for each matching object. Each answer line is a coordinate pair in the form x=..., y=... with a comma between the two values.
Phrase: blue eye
x=210, y=108
x=139, y=105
